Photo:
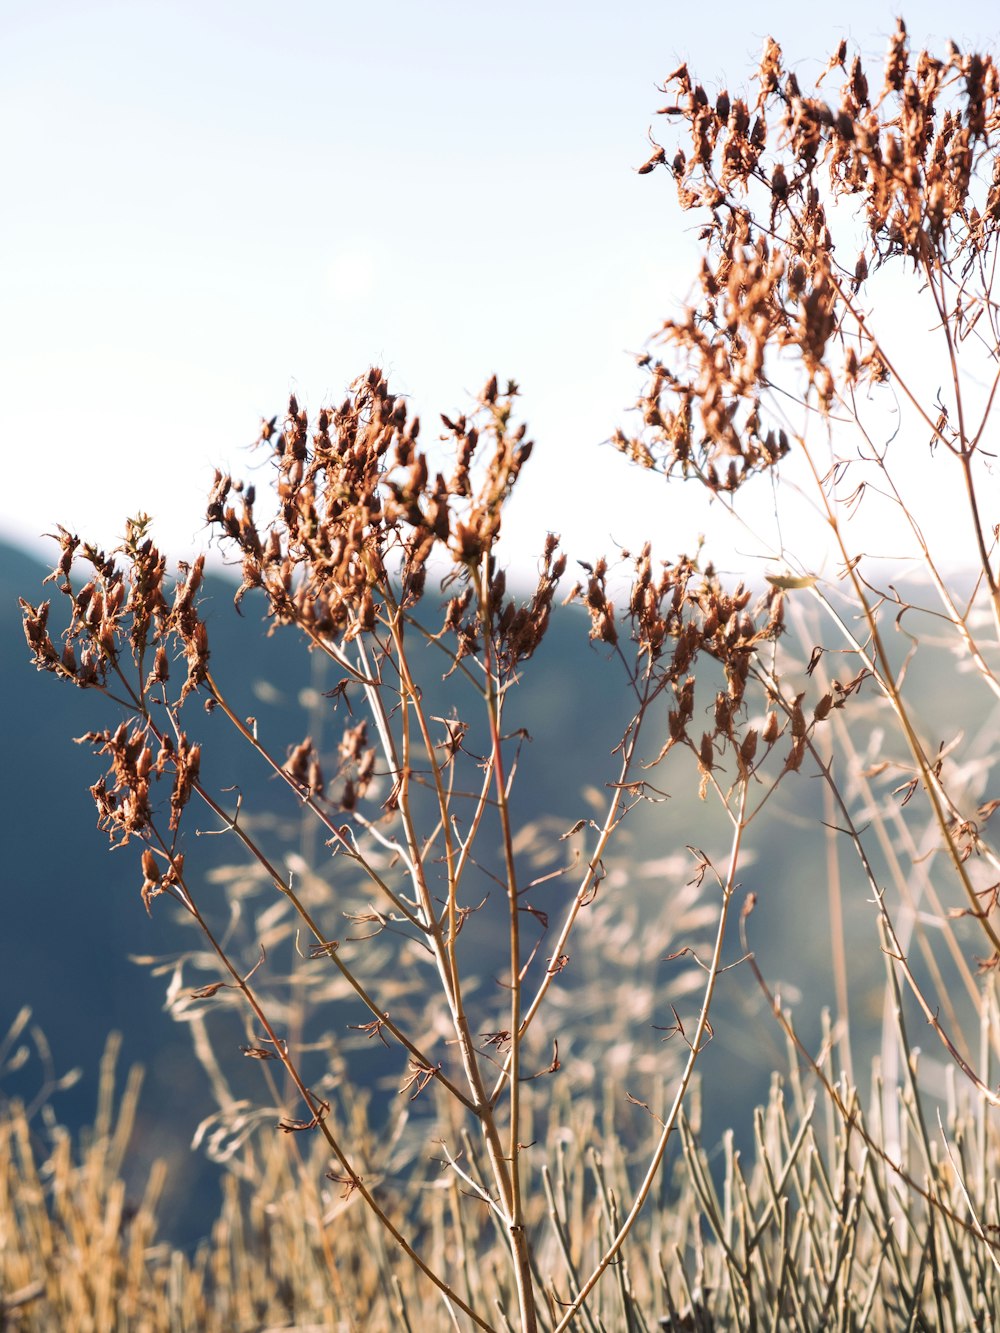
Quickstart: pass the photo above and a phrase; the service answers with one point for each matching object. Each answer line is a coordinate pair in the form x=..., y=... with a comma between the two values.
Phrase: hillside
x=74, y=919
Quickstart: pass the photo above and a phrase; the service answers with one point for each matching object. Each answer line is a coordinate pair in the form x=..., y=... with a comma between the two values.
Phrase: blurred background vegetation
x=75, y=925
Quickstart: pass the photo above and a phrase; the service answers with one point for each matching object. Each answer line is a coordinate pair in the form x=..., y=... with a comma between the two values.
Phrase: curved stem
x=317, y=1112
x=589, y=882
x=714, y=970
x=329, y=950
x=512, y=1066
x=306, y=798
x=878, y=662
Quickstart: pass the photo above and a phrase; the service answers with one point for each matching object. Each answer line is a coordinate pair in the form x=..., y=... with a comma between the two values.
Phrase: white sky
x=208, y=205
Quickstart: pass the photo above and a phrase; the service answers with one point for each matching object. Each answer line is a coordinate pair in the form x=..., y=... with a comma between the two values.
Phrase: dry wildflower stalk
x=365, y=528
x=361, y=520
x=808, y=202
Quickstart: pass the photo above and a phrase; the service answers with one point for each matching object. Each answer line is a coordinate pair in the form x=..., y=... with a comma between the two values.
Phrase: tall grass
x=813, y=1227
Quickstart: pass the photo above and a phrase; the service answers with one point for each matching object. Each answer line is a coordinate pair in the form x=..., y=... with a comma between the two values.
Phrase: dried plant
x=383, y=556
x=821, y=220
x=417, y=803
x=785, y=352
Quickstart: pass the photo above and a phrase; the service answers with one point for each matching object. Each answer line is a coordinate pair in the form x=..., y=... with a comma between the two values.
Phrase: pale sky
x=211, y=204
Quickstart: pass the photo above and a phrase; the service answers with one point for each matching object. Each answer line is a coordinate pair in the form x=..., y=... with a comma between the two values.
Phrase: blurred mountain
x=73, y=918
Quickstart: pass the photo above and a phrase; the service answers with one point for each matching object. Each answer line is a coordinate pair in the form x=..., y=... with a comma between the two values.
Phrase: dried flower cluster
x=361, y=514
x=803, y=199
x=122, y=635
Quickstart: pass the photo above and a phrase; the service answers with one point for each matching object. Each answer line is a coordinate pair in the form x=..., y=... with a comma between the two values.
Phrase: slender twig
x=696, y=1047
